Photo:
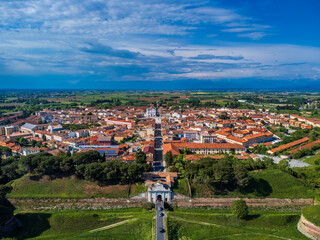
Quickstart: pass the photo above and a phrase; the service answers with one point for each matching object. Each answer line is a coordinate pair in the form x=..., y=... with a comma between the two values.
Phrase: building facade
x=159, y=191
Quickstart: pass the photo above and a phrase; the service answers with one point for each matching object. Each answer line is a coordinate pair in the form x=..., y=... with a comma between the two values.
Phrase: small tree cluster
x=240, y=209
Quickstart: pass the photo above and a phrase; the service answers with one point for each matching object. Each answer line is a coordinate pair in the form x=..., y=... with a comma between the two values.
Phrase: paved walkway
x=292, y=162
x=113, y=225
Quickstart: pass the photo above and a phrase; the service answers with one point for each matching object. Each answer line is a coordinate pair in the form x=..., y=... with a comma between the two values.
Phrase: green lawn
x=312, y=214
x=69, y=187
x=132, y=223
x=221, y=224
x=270, y=183
x=274, y=183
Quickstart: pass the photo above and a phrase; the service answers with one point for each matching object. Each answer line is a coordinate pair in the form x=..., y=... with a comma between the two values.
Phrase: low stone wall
x=179, y=200
x=308, y=229
x=74, y=203
x=8, y=228
x=227, y=202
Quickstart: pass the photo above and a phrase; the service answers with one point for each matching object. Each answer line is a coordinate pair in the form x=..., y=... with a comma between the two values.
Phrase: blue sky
x=147, y=44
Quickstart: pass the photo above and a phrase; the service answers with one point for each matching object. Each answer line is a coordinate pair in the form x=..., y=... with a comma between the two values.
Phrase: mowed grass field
x=199, y=224
x=126, y=224
x=270, y=183
x=69, y=187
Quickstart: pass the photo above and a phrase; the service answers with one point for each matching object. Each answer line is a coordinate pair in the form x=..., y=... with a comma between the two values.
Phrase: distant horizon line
x=164, y=89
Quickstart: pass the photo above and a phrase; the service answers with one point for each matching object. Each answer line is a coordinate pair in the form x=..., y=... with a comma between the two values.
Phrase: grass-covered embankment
x=69, y=187
x=135, y=223
x=221, y=224
x=312, y=214
x=270, y=183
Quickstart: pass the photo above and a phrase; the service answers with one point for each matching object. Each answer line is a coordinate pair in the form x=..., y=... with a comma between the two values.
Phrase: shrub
x=168, y=206
x=148, y=206
x=4, y=189
x=240, y=209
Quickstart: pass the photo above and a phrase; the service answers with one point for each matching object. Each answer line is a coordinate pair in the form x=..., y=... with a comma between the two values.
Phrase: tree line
x=221, y=175
x=87, y=165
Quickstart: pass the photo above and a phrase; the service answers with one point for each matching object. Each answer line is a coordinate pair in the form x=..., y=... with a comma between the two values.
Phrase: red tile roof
x=306, y=146
x=209, y=146
x=291, y=144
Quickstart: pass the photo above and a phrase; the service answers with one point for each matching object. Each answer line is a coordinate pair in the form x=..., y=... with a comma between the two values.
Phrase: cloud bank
x=102, y=41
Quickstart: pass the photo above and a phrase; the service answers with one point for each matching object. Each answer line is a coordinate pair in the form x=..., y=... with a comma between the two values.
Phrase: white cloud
x=113, y=17
x=253, y=35
x=140, y=40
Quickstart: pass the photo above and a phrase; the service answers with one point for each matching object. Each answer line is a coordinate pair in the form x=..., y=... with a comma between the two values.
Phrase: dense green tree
x=241, y=176
x=240, y=209
x=5, y=151
x=168, y=158
x=49, y=165
x=186, y=151
x=66, y=164
x=22, y=142
x=261, y=148
x=223, y=117
x=283, y=165
x=10, y=171
x=88, y=165
x=140, y=157
x=33, y=143
x=87, y=157
x=313, y=135
x=223, y=172
x=93, y=171
x=268, y=162
x=191, y=170
x=4, y=190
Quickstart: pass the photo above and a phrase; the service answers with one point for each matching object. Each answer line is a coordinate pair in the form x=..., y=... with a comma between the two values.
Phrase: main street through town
x=158, y=150
x=158, y=167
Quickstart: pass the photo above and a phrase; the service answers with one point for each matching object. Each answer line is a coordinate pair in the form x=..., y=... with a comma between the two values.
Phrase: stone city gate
x=159, y=191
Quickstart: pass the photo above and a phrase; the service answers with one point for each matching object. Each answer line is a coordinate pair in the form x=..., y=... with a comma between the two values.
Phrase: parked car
x=161, y=214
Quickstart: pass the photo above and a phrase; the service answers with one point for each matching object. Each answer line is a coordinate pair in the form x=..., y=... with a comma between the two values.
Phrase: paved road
x=292, y=162
x=158, y=150
x=160, y=222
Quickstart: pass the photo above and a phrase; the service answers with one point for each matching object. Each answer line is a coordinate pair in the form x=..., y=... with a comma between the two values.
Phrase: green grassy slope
x=213, y=224
x=312, y=214
x=129, y=224
x=68, y=187
x=270, y=183
x=311, y=159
